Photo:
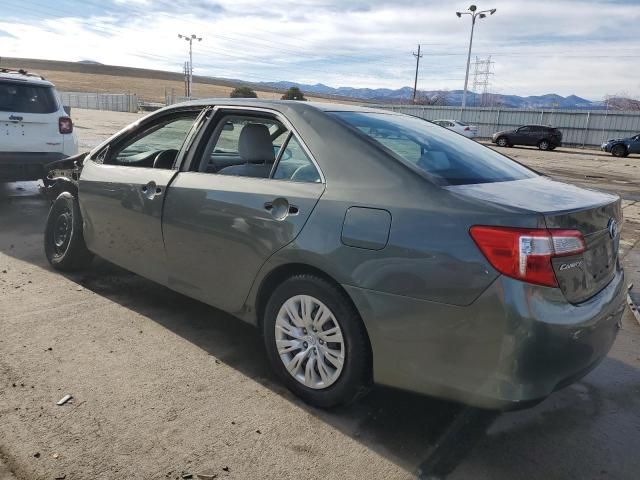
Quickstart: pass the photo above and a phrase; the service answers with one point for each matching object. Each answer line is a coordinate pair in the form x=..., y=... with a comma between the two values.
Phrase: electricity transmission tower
x=481, y=75
x=415, y=82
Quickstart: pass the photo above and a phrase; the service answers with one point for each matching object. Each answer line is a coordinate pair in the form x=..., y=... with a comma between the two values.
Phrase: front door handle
x=150, y=190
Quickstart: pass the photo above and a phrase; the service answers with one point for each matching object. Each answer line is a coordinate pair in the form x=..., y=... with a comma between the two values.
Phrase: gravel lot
x=165, y=386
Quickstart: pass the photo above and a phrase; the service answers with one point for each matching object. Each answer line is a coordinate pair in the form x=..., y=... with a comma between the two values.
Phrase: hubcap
x=62, y=232
x=310, y=342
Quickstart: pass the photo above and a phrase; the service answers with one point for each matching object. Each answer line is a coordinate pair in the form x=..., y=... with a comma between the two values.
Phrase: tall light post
x=190, y=39
x=473, y=11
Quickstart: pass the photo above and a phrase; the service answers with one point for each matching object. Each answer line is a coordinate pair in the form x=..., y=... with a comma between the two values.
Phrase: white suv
x=34, y=127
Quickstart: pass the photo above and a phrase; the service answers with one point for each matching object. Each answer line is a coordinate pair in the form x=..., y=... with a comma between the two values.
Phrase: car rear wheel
x=316, y=342
x=619, y=151
x=63, y=239
x=544, y=145
x=502, y=142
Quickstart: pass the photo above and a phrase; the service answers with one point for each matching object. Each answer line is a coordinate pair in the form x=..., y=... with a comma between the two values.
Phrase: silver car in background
x=469, y=131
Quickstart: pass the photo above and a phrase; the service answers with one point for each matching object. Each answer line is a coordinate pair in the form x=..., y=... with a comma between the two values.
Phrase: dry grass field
x=149, y=85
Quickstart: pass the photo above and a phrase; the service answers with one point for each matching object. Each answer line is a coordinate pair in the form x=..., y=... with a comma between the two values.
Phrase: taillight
x=525, y=254
x=466, y=129
x=65, y=125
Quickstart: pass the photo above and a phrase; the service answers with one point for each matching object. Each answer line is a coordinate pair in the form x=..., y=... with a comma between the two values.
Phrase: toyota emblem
x=613, y=228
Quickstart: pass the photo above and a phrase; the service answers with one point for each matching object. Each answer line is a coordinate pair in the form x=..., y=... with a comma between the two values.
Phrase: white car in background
x=34, y=128
x=469, y=131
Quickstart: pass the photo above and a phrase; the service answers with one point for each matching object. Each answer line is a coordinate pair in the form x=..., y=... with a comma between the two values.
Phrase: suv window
x=165, y=137
x=295, y=164
x=448, y=158
x=27, y=98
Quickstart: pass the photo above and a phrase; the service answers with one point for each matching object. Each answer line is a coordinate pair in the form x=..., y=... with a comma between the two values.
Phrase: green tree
x=294, y=93
x=243, y=92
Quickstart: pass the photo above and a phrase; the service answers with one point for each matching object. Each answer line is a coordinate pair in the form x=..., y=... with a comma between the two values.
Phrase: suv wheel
x=63, y=240
x=544, y=145
x=502, y=142
x=619, y=151
x=316, y=342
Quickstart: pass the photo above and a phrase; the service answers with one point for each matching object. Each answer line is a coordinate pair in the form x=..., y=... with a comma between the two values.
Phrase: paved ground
x=164, y=385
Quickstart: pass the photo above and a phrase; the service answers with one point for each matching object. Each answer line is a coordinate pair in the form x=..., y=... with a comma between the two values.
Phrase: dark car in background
x=621, y=147
x=542, y=136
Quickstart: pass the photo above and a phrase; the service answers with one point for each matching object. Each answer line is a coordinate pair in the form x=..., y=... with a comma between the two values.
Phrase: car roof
x=22, y=76
x=280, y=105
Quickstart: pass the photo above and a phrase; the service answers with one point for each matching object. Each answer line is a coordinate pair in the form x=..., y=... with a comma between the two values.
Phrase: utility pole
x=473, y=11
x=185, y=71
x=190, y=39
x=415, y=82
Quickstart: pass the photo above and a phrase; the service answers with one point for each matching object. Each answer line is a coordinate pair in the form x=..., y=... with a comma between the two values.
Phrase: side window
x=157, y=146
x=244, y=145
x=296, y=165
x=524, y=129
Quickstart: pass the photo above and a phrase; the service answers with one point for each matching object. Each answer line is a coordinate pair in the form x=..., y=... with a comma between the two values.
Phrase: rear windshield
x=448, y=158
x=26, y=98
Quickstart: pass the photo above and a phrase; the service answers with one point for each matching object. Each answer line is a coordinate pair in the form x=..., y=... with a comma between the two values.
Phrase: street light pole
x=190, y=39
x=473, y=11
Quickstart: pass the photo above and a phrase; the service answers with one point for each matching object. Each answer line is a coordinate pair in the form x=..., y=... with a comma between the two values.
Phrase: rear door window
x=27, y=98
x=296, y=165
x=446, y=157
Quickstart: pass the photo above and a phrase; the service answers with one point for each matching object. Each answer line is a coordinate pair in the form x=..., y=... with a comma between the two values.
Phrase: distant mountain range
x=448, y=97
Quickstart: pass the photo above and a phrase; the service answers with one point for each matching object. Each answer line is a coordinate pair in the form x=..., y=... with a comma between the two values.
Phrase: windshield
x=26, y=98
x=449, y=158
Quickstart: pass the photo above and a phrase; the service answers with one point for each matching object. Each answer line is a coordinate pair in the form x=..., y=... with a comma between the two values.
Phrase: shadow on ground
x=589, y=430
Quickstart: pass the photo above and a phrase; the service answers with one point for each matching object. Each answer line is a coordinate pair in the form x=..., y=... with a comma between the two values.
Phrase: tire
x=544, y=145
x=502, y=142
x=338, y=386
x=619, y=151
x=63, y=239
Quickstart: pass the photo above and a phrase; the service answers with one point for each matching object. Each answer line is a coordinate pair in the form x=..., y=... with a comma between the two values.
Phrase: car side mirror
x=229, y=127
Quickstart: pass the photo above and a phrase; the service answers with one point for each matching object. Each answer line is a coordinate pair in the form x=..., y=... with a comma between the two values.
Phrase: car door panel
x=219, y=230
x=122, y=208
x=122, y=196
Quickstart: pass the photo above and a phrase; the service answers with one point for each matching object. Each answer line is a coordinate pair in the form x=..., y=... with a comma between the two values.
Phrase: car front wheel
x=63, y=239
x=316, y=342
x=619, y=151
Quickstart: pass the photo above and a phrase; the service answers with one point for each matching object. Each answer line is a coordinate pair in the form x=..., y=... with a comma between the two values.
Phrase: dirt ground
x=166, y=387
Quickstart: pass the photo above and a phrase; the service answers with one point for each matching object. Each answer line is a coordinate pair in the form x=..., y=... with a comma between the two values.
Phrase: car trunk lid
x=596, y=215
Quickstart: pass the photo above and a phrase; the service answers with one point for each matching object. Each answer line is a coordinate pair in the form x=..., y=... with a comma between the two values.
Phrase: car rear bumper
x=22, y=166
x=512, y=347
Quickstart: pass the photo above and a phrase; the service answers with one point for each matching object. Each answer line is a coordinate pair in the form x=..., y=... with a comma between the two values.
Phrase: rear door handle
x=280, y=208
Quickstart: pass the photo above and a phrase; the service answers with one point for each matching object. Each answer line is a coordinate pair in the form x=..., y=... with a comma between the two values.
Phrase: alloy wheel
x=310, y=342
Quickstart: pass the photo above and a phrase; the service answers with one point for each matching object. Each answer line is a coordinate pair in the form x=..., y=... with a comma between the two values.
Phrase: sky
x=587, y=48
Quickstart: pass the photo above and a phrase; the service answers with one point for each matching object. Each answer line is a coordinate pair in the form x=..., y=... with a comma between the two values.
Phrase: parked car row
x=542, y=136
